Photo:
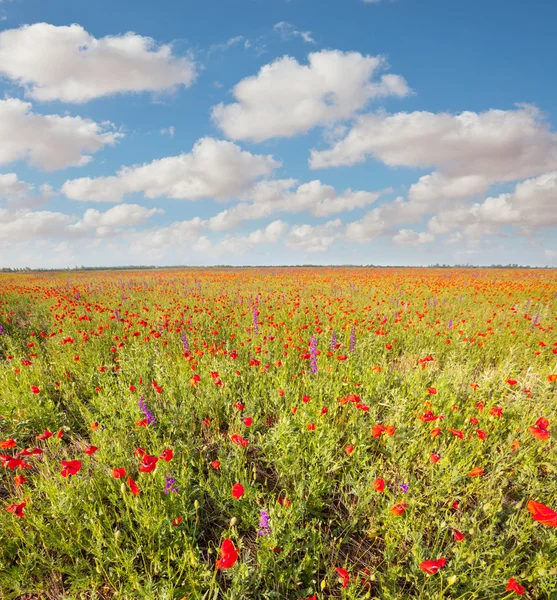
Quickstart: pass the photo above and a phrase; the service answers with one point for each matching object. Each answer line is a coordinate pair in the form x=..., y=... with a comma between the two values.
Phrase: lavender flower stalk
x=170, y=487
x=353, y=339
x=255, y=320
x=450, y=324
x=313, y=355
x=264, y=523
x=116, y=314
x=333, y=341
x=185, y=342
x=148, y=414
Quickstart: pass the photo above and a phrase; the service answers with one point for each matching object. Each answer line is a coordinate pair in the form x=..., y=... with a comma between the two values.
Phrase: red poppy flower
x=228, y=555
x=17, y=509
x=349, y=449
x=248, y=421
x=90, y=450
x=458, y=536
x=239, y=440
x=481, y=434
x=239, y=406
x=19, y=480
x=139, y=452
x=60, y=434
x=148, y=463
x=377, y=430
x=177, y=521
x=10, y=443
x=344, y=575
x=476, y=472
x=496, y=411
x=45, y=435
x=237, y=490
x=94, y=425
x=398, y=509
x=311, y=426
x=432, y=566
x=457, y=433
x=133, y=486
x=167, y=455
x=514, y=586
x=118, y=473
x=379, y=484
x=542, y=513
x=35, y=389
x=435, y=432
x=306, y=399
x=70, y=467
x=435, y=457
x=512, y=381
x=215, y=464
x=431, y=390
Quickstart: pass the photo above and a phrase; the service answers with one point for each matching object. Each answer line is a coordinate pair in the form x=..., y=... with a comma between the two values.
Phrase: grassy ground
x=147, y=362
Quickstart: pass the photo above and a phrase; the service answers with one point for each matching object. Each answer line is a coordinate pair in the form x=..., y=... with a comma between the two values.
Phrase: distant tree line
x=216, y=267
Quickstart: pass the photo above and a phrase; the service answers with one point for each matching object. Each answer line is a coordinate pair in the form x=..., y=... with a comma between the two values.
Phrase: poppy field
x=292, y=434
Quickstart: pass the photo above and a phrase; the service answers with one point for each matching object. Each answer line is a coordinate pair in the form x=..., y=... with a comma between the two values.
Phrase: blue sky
x=277, y=132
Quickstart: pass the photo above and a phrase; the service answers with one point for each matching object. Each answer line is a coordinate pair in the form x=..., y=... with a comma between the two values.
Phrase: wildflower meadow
x=292, y=434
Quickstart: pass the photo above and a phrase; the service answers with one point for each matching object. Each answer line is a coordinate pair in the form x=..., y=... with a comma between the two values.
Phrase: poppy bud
x=233, y=521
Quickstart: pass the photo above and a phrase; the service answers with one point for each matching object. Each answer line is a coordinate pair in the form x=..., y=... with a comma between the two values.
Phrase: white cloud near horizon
x=67, y=63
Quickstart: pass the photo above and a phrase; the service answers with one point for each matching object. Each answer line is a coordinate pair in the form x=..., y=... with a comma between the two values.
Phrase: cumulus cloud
x=11, y=186
x=530, y=207
x=313, y=238
x=67, y=63
x=49, y=142
x=270, y=197
x=20, y=224
x=469, y=151
x=213, y=169
x=408, y=237
x=287, y=98
x=184, y=237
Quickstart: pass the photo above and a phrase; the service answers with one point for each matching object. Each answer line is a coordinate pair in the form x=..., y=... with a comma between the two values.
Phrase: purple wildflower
x=116, y=314
x=450, y=324
x=185, y=342
x=313, y=355
x=333, y=340
x=255, y=320
x=148, y=414
x=353, y=339
x=264, y=523
x=170, y=487
x=404, y=487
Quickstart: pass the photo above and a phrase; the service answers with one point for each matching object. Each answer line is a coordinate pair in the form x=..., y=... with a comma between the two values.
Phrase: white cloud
x=233, y=41
x=123, y=215
x=69, y=64
x=213, y=169
x=49, y=142
x=408, y=237
x=286, y=30
x=170, y=131
x=530, y=207
x=11, y=186
x=469, y=151
x=20, y=224
x=270, y=197
x=184, y=237
x=286, y=98
x=313, y=238
x=495, y=145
